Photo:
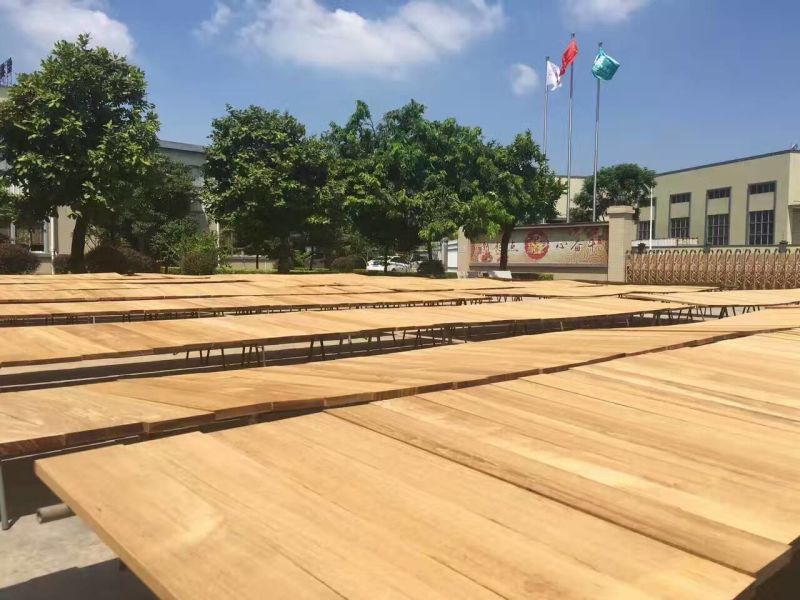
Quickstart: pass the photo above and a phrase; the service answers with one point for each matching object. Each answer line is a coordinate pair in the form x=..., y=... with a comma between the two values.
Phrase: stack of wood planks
x=62, y=343
x=43, y=420
x=52, y=312
x=665, y=475
x=727, y=298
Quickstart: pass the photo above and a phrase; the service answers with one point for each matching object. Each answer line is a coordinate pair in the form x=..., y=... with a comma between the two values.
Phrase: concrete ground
x=62, y=560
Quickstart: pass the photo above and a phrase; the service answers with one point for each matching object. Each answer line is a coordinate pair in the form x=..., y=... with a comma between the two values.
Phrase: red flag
x=569, y=56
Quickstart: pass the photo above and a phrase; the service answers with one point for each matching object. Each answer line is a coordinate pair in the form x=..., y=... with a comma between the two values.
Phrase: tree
x=172, y=239
x=516, y=186
x=366, y=177
x=627, y=184
x=265, y=177
x=77, y=132
x=404, y=180
x=161, y=198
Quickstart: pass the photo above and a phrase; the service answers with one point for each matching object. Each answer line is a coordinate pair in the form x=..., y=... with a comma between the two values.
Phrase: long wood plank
x=64, y=343
x=364, y=379
x=192, y=307
x=504, y=459
x=407, y=524
x=727, y=297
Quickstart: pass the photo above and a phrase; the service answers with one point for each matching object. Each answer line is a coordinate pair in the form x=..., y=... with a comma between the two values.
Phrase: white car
x=395, y=265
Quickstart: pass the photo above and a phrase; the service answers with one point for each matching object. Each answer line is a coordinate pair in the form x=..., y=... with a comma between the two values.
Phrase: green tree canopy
x=626, y=184
x=164, y=195
x=77, y=132
x=515, y=186
x=265, y=177
x=406, y=179
x=370, y=173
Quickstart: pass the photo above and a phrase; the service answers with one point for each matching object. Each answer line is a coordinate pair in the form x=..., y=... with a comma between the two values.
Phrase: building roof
x=169, y=145
x=727, y=162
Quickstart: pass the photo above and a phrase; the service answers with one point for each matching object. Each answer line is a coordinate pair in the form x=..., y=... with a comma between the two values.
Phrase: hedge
x=16, y=259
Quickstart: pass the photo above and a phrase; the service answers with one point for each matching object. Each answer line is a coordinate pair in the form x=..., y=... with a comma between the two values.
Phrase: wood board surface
x=257, y=391
x=509, y=490
x=51, y=311
x=64, y=343
x=726, y=297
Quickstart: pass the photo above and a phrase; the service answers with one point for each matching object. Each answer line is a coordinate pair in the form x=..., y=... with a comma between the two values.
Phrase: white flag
x=553, y=76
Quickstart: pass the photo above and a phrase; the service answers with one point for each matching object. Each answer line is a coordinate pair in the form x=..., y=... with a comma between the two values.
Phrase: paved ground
x=63, y=560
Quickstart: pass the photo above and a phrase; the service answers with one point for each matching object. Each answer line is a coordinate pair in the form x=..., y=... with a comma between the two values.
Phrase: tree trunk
x=504, y=241
x=284, y=256
x=385, y=259
x=77, y=251
x=257, y=262
x=430, y=250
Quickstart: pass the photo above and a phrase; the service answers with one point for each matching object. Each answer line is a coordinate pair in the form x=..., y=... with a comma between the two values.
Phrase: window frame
x=759, y=238
x=681, y=198
x=720, y=192
x=672, y=227
x=713, y=237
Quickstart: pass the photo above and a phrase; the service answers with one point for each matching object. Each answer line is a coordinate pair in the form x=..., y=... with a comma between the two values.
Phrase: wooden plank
x=51, y=419
x=702, y=537
x=220, y=544
x=249, y=506
x=504, y=546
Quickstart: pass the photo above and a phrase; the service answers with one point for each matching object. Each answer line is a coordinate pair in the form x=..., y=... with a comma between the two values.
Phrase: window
x=718, y=193
x=643, y=230
x=678, y=198
x=765, y=187
x=679, y=228
x=31, y=236
x=717, y=230
x=761, y=227
x=5, y=230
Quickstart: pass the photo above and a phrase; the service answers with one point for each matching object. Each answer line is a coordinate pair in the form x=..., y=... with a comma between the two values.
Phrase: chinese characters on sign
x=578, y=245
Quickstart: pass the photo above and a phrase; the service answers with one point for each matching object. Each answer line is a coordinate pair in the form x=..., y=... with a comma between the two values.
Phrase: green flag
x=604, y=66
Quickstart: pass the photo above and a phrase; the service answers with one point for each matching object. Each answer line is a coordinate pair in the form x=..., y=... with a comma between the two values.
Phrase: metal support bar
x=4, y=519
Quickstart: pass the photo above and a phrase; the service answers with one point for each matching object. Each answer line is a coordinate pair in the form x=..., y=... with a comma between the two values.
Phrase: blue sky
x=701, y=80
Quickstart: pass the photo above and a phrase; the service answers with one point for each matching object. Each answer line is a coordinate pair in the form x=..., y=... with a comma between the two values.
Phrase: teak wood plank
x=497, y=556
x=714, y=541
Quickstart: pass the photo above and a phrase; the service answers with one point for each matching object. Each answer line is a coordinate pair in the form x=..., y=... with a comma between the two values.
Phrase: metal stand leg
x=4, y=520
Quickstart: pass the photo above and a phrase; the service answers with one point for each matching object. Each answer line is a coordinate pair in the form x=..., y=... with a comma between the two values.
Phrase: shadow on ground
x=103, y=581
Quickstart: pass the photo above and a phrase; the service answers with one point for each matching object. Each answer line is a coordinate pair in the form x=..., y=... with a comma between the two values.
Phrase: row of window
x=760, y=228
x=765, y=187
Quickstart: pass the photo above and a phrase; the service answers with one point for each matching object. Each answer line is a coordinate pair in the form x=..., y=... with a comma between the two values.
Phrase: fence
x=748, y=269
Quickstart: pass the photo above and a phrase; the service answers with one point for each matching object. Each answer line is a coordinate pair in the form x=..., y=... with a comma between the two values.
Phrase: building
x=54, y=236
x=751, y=201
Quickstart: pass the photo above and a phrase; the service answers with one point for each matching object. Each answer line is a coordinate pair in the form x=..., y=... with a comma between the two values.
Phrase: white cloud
x=216, y=23
x=584, y=12
x=524, y=79
x=306, y=32
x=38, y=24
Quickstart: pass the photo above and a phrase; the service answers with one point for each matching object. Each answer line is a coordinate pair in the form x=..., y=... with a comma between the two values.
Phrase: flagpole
x=546, y=101
x=596, y=145
x=569, y=140
x=652, y=218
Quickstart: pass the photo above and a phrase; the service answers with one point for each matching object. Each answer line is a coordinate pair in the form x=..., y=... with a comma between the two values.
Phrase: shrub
x=139, y=262
x=347, y=264
x=61, y=264
x=16, y=259
x=107, y=258
x=430, y=267
x=199, y=262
